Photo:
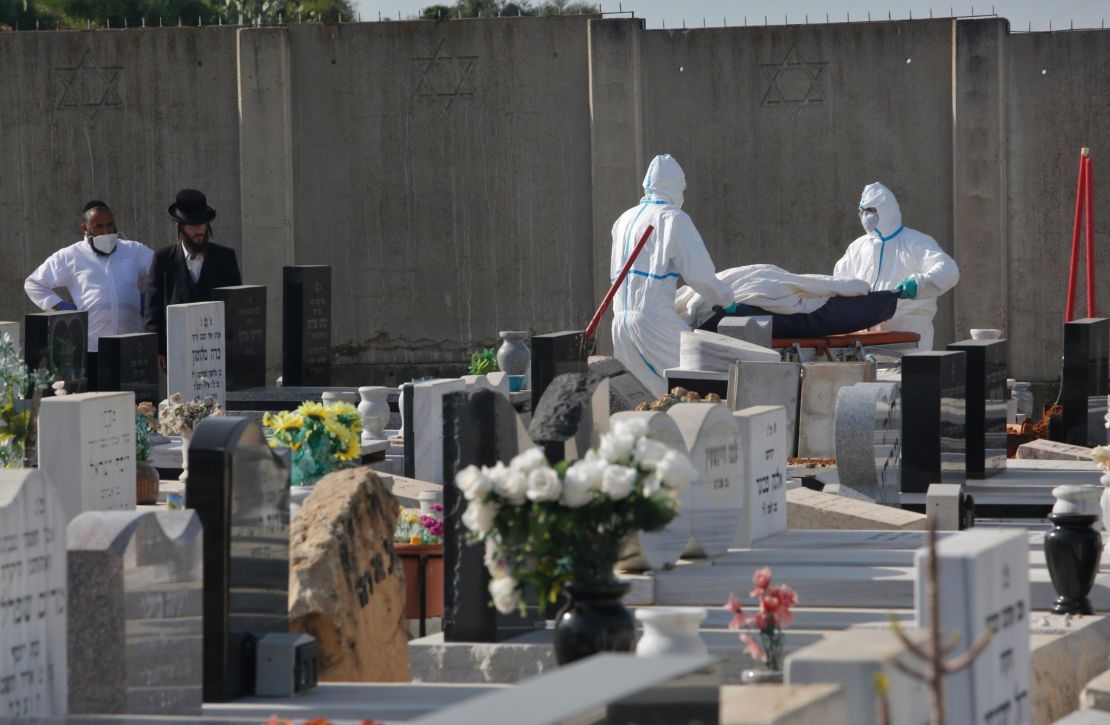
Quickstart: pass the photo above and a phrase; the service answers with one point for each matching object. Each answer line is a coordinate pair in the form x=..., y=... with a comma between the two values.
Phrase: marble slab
x=768, y=383
x=756, y=330
x=422, y=415
x=821, y=383
x=762, y=471
x=869, y=440
x=195, y=351
x=807, y=509
x=703, y=350
x=1046, y=450
x=985, y=405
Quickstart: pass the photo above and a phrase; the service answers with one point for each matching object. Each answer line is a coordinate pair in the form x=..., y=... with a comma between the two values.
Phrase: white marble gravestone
x=767, y=383
x=821, y=382
x=717, y=503
x=195, y=351
x=762, y=471
x=86, y=446
x=869, y=440
x=427, y=426
x=12, y=329
x=984, y=585
x=660, y=549
x=136, y=584
x=33, y=667
x=703, y=350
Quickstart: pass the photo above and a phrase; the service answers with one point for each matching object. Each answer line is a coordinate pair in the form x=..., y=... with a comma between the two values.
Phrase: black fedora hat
x=191, y=208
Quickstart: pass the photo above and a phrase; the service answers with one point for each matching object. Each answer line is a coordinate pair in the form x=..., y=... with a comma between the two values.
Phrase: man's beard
x=195, y=248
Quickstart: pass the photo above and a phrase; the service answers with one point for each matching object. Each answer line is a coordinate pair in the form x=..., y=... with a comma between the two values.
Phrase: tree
x=505, y=8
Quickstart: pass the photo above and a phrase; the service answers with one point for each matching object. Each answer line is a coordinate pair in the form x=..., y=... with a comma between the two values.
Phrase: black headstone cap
x=94, y=204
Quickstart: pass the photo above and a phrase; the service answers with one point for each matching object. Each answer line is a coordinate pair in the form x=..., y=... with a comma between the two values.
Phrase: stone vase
x=331, y=396
x=185, y=439
x=374, y=410
x=513, y=356
x=1079, y=499
x=670, y=631
x=146, y=483
x=593, y=620
x=1072, y=551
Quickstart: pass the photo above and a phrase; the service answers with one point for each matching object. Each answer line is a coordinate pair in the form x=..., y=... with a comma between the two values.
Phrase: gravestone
x=480, y=428
x=239, y=488
x=821, y=382
x=306, y=325
x=1086, y=346
x=135, y=613
x=58, y=342
x=756, y=330
x=985, y=406
x=717, y=502
x=768, y=383
x=704, y=350
x=195, y=351
x=422, y=426
x=33, y=668
x=11, y=329
x=869, y=440
x=571, y=416
x=129, y=362
x=659, y=550
x=86, y=444
x=244, y=334
x=762, y=471
x=555, y=354
x=984, y=585
x=932, y=421
x=806, y=509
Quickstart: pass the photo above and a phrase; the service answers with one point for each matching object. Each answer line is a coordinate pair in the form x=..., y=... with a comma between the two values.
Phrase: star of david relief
x=445, y=76
x=792, y=83
x=88, y=87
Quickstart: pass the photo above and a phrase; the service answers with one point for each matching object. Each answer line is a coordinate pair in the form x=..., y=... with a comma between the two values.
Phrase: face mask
x=870, y=221
x=105, y=243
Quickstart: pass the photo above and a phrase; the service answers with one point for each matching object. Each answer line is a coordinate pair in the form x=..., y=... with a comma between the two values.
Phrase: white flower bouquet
x=546, y=525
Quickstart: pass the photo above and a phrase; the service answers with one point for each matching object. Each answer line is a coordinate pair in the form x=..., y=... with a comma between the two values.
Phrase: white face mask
x=870, y=221
x=105, y=243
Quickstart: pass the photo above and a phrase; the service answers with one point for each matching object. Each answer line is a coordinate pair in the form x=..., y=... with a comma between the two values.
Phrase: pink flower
x=762, y=580
x=786, y=595
x=770, y=603
x=437, y=507
x=785, y=617
x=753, y=648
x=738, y=618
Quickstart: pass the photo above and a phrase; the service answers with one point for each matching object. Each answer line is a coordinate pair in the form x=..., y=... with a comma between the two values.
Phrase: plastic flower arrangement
x=178, y=416
x=414, y=528
x=17, y=415
x=483, y=362
x=546, y=526
x=774, y=616
x=322, y=438
x=142, y=437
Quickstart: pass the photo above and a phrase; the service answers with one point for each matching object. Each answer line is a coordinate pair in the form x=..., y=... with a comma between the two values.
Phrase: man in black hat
x=189, y=270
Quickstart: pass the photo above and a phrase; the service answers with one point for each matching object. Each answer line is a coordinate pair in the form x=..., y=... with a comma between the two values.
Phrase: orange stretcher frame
x=822, y=345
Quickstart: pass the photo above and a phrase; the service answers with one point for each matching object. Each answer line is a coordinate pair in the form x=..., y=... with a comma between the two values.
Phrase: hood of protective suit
x=882, y=200
x=665, y=180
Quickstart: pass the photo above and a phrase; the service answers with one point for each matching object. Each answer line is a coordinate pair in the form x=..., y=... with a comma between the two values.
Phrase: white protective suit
x=646, y=327
x=107, y=286
x=894, y=252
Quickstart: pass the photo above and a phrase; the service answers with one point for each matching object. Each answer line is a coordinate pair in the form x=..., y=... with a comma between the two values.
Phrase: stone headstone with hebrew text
x=129, y=362
x=86, y=446
x=244, y=334
x=32, y=596
x=869, y=440
x=306, y=325
x=195, y=351
x=762, y=471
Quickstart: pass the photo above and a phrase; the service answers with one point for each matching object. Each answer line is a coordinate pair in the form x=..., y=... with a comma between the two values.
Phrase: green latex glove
x=907, y=289
x=730, y=309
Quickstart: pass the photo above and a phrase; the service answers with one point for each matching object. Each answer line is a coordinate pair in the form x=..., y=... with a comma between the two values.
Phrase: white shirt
x=194, y=263
x=108, y=287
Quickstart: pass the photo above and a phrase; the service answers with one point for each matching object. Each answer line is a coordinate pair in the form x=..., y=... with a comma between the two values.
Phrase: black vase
x=1072, y=551
x=594, y=620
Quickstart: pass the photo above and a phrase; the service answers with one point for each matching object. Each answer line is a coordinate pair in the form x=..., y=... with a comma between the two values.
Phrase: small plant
x=18, y=416
x=414, y=528
x=142, y=437
x=774, y=616
x=181, y=417
x=484, y=362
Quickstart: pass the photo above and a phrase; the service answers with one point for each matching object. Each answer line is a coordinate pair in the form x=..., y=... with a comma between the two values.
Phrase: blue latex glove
x=66, y=307
x=730, y=309
x=907, y=289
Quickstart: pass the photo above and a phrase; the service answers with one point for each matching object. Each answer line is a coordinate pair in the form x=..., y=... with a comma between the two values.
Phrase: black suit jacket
x=171, y=283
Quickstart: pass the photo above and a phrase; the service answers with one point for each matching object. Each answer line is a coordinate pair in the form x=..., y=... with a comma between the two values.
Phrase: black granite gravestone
x=239, y=488
x=985, y=401
x=244, y=335
x=58, y=343
x=563, y=422
x=552, y=355
x=479, y=428
x=933, y=424
x=129, y=362
x=1086, y=346
x=306, y=325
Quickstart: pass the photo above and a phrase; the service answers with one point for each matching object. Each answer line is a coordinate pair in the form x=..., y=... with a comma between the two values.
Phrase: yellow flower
x=312, y=409
x=414, y=539
x=354, y=450
x=337, y=430
x=1101, y=457
x=283, y=421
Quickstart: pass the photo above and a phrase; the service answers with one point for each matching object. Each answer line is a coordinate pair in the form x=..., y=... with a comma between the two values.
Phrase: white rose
x=473, y=482
x=617, y=482
x=479, y=517
x=495, y=563
x=544, y=485
x=581, y=483
x=676, y=470
x=635, y=427
x=616, y=447
x=649, y=453
x=528, y=461
x=513, y=486
x=652, y=484
x=505, y=595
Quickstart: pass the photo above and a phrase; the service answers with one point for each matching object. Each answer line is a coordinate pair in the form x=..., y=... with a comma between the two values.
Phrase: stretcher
x=854, y=346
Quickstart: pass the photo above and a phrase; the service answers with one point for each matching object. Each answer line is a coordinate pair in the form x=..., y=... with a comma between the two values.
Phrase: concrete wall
x=462, y=177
